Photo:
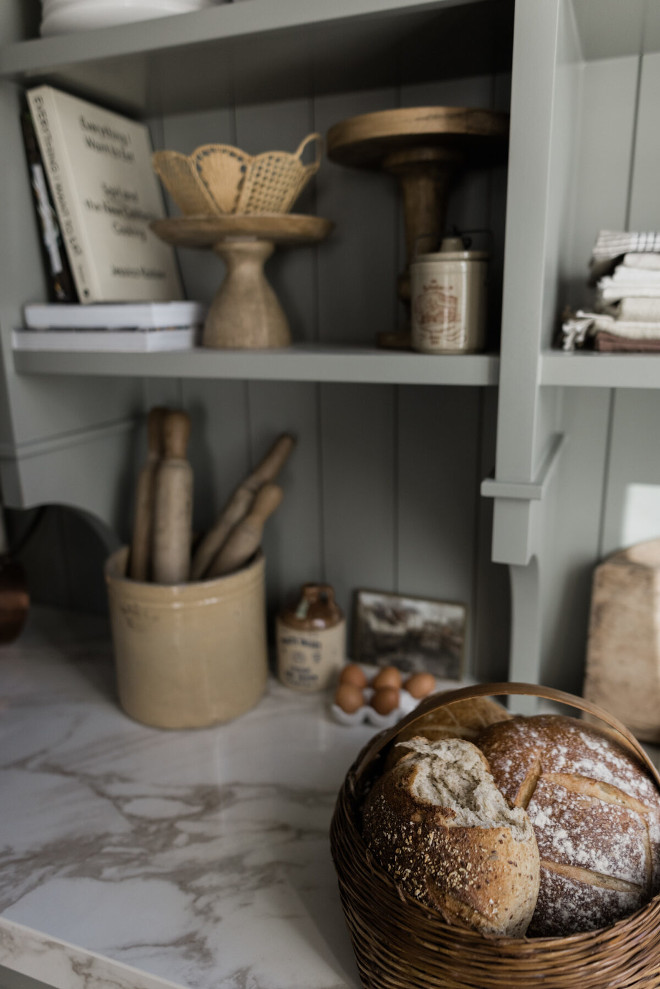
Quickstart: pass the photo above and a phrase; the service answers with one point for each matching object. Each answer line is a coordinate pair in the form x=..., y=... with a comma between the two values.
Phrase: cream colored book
x=98, y=165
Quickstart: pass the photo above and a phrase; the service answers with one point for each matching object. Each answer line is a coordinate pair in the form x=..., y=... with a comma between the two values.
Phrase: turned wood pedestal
x=245, y=312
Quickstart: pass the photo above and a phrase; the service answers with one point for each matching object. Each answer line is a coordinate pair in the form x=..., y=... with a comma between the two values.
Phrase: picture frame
x=412, y=633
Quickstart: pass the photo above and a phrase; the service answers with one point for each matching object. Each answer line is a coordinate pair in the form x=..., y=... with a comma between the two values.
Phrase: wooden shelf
x=299, y=363
x=589, y=370
x=259, y=50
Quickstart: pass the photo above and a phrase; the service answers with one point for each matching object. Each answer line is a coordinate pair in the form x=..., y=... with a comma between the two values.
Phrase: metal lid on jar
x=453, y=249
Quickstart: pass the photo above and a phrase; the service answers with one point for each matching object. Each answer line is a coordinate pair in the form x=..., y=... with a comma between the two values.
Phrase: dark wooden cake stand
x=424, y=148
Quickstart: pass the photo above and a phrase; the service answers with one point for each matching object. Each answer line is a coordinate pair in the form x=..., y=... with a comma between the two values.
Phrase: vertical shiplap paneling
x=572, y=535
x=632, y=507
x=357, y=301
x=644, y=195
x=359, y=493
x=440, y=553
x=357, y=265
x=598, y=200
x=491, y=595
x=634, y=450
x=491, y=609
x=438, y=486
x=601, y=178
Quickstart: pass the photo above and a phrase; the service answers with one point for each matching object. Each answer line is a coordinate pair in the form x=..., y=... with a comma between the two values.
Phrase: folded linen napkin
x=612, y=342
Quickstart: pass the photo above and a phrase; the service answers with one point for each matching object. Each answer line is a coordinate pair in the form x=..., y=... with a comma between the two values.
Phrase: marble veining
x=133, y=857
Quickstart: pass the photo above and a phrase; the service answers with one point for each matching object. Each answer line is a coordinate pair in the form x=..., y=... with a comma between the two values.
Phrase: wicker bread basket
x=400, y=944
x=217, y=179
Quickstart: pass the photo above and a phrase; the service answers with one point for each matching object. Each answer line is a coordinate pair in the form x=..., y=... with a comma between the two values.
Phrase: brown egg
x=349, y=697
x=420, y=684
x=352, y=673
x=389, y=676
x=385, y=700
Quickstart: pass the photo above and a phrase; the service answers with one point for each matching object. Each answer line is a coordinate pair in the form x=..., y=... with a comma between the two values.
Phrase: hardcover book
x=107, y=341
x=61, y=287
x=117, y=315
x=105, y=193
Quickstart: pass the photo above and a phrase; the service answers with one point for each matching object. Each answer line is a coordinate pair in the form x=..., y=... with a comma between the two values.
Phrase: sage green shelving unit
x=508, y=475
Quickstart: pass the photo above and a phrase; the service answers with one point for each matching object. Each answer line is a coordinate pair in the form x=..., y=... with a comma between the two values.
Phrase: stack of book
x=625, y=268
x=113, y=285
x=96, y=197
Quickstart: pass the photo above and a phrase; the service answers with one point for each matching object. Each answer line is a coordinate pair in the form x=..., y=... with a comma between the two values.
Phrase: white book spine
x=51, y=143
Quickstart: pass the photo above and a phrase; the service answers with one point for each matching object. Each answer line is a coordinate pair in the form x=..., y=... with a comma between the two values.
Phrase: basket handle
x=319, y=148
x=436, y=701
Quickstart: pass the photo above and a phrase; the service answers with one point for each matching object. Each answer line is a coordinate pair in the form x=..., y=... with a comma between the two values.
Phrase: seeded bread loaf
x=595, y=813
x=439, y=826
x=462, y=719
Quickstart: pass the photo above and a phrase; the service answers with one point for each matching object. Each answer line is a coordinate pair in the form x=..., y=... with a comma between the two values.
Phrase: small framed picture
x=411, y=633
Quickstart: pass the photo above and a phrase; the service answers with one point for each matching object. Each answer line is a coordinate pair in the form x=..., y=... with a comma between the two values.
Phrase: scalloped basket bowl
x=218, y=179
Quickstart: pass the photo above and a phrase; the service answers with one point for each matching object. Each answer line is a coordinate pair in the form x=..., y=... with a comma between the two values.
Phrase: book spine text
x=60, y=181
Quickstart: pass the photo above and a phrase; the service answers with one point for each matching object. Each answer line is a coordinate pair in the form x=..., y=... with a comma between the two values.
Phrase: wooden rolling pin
x=173, y=504
x=245, y=538
x=139, y=561
x=239, y=505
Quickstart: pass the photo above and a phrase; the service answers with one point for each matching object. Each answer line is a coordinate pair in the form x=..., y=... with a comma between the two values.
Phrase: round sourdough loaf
x=462, y=719
x=439, y=826
x=595, y=813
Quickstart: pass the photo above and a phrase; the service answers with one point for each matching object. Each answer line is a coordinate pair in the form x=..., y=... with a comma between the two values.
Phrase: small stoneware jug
x=311, y=640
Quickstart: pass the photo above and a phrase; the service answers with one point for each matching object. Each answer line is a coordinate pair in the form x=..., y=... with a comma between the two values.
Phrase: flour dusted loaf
x=439, y=826
x=595, y=814
x=466, y=718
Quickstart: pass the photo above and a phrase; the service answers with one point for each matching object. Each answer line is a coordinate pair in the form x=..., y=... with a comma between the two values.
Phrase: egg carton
x=367, y=715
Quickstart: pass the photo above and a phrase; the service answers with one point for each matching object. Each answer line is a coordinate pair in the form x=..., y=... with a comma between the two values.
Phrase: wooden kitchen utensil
x=238, y=505
x=142, y=541
x=173, y=504
x=245, y=538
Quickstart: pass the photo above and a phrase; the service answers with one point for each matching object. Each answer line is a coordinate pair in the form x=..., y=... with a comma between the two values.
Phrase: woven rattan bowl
x=217, y=179
x=400, y=944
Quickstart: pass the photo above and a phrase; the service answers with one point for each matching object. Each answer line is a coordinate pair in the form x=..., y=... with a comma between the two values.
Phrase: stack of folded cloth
x=625, y=268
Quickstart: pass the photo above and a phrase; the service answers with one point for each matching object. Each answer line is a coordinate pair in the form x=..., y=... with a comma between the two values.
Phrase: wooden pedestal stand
x=245, y=312
x=424, y=148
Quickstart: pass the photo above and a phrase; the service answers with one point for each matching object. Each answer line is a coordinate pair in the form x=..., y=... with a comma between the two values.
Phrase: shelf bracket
x=517, y=506
x=528, y=490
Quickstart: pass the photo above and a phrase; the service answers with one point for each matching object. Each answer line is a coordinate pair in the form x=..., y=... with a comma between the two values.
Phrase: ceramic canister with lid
x=311, y=640
x=448, y=300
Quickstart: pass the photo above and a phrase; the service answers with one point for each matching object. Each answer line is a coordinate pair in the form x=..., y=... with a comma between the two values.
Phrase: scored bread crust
x=595, y=813
x=457, y=848
x=463, y=719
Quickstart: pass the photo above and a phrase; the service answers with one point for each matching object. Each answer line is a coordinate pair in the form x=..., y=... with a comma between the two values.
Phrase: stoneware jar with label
x=448, y=300
x=311, y=640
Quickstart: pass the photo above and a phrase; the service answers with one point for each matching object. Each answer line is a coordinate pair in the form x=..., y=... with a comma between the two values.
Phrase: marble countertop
x=135, y=858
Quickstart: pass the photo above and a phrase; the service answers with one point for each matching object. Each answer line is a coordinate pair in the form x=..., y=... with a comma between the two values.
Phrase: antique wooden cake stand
x=424, y=147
